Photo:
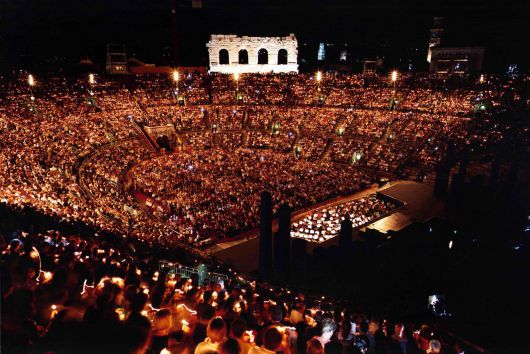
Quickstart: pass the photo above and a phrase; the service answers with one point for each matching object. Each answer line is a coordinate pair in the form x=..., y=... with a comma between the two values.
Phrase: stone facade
x=459, y=61
x=230, y=53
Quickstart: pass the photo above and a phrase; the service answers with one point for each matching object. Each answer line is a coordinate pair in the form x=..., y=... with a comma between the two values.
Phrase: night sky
x=36, y=32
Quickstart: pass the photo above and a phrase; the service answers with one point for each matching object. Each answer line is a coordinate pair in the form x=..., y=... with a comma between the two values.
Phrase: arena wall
x=275, y=47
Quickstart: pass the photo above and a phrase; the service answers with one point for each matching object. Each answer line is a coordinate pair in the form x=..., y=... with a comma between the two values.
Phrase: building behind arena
x=231, y=53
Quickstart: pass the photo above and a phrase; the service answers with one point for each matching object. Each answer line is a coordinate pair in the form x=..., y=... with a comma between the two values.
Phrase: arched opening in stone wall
x=243, y=56
x=224, y=58
x=263, y=56
x=282, y=57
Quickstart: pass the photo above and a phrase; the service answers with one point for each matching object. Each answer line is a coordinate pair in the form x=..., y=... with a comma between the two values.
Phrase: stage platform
x=419, y=205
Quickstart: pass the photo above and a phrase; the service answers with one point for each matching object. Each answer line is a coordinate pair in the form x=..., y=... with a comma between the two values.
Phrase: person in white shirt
x=328, y=328
x=216, y=335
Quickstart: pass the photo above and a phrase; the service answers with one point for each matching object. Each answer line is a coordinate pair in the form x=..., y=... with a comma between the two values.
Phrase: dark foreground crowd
x=64, y=293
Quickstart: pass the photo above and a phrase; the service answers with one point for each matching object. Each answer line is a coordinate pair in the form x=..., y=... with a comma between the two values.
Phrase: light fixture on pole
x=176, y=77
x=320, y=99
x=394, y=76
x=236, y=78
x=31, y=83
x=91, y=81
x=238, y=97
x=31, y=80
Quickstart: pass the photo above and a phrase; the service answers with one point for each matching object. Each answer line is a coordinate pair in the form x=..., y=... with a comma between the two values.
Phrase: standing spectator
x=328, y=328
x=314, y=347
x=238, y=329
x=216, y=335
x=272, y=342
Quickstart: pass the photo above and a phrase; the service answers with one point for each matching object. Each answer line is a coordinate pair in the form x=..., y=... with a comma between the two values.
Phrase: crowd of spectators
x=217, y=190
x=62, y=293
x=66, y=145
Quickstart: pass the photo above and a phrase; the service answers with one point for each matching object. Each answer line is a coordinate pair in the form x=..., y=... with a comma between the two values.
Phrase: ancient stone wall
x=263, y=54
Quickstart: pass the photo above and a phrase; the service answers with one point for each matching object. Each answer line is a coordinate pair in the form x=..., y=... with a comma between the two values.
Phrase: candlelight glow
x=86, y=286
x=53, y=311
x=187, y=308
x=185, y=326
x=250, y=336
x=46, y=276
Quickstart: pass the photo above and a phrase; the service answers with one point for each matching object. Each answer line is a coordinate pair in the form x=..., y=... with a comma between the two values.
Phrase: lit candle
x=121, y=313
x=185, y=326
x=53, y=312
x=250, y=335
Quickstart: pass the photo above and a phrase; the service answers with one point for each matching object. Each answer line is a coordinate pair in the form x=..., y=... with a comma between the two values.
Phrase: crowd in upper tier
x=62, y=293
x=77, y=151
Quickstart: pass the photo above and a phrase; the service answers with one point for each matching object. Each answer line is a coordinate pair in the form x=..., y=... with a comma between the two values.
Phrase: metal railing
x=188, y=272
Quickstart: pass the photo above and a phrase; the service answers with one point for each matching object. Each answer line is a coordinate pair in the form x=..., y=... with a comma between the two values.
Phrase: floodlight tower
x=91, y=82
x=31, y=83
x=176, y=78
x=436, y=36
x=393, y=78
x=175, y=33
x=239, y=96
x=320, y=99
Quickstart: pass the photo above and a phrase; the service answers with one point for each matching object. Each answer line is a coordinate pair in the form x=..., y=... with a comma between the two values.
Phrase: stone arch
x=282, y=57
x=243, y=56
x=263, y=56
x=224, y=57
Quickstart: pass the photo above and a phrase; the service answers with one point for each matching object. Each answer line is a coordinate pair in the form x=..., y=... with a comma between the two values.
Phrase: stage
x=419, y=205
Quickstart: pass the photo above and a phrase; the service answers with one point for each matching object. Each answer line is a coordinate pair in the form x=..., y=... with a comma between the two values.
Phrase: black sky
x=37, y=30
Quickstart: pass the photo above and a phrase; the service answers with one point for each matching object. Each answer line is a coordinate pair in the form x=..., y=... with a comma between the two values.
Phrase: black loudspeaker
x=299, y=256
x=441, y=181
x=282, y=241
x=345, y=234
